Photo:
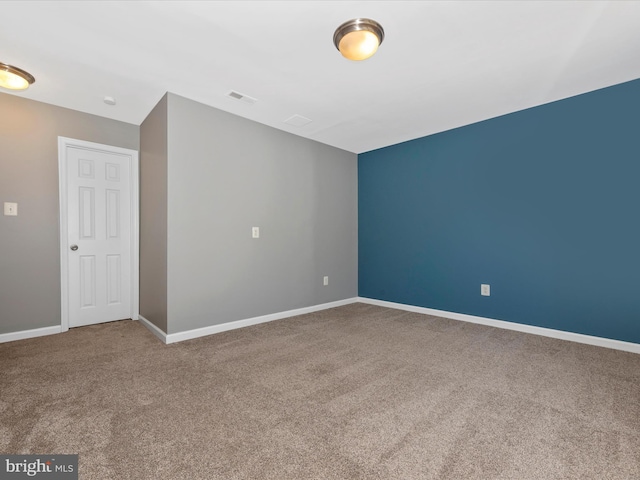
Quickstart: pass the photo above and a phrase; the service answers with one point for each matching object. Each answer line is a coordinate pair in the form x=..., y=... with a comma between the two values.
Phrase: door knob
x=74, y=247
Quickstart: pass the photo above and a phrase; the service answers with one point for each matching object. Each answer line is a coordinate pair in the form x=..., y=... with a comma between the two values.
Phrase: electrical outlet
x=10, y=209
x=325, y=281
x=485, y=290
x=255, y=232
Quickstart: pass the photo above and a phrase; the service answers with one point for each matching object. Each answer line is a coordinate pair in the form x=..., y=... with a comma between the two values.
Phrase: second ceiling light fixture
x=358, y=39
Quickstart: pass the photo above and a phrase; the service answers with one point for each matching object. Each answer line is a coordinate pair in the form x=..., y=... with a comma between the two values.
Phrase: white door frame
x=63, y=144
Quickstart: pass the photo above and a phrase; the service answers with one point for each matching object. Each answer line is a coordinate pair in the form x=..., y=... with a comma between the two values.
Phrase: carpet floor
x=355, y=392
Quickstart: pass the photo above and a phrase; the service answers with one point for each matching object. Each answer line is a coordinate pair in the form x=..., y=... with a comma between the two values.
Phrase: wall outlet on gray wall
x=10, y=209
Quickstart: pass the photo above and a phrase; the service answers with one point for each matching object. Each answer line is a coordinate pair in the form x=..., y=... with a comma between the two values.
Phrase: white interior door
x=99, y=244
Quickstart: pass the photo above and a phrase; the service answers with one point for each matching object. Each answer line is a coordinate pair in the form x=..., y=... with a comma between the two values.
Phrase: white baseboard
x=24, y=334
x=204, y=331
x=519, y=327
x=153, y=329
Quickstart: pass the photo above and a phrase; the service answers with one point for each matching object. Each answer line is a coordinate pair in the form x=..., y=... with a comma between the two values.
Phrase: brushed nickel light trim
x=8, y=74
x=361, y=46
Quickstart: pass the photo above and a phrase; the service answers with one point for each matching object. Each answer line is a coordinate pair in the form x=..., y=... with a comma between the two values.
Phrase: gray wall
x=227, y=174
x=29, y=243
x=207, y=177
x=153, y=216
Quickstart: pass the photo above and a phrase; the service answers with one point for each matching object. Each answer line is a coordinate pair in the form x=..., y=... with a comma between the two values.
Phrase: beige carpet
x=356, y=392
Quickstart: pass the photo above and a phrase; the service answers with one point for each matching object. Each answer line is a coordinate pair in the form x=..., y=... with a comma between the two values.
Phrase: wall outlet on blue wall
x=485, y=290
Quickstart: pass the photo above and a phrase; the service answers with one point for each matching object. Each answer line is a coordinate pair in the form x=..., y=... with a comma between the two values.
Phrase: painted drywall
x=29, y=243
x=153, y=216
x=541, y=204
x=228, y=174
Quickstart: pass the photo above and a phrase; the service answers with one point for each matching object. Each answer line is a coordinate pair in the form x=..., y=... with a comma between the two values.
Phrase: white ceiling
x=442, y=64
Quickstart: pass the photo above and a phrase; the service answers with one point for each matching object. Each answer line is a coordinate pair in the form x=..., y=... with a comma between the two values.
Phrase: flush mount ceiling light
x=359, y=38
x=14, y=78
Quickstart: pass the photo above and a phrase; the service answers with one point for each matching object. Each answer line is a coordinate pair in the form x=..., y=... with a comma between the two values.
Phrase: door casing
x=63, y=144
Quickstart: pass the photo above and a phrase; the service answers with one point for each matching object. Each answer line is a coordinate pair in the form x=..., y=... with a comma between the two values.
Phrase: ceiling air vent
x=297, y=120
x=242, y=97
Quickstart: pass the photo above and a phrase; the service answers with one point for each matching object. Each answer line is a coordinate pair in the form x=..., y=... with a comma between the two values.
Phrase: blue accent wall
x=542, y=204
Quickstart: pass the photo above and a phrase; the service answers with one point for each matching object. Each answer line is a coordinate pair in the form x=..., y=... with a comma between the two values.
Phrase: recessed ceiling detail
x=297, y=120
x=242, y=97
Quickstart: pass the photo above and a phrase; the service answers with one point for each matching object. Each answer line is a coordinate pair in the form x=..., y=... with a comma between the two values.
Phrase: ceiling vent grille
x=242, y=97
x=297, y=120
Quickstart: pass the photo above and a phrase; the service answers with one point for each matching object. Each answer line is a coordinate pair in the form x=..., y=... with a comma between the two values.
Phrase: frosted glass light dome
x=358, y=39
x=14, y=78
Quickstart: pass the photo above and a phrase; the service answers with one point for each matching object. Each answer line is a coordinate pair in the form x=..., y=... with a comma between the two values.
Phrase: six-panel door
x=99, y=224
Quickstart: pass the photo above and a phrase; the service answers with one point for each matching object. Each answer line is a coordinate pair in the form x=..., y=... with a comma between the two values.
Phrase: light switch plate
x=10, y=209
x=255, y=232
